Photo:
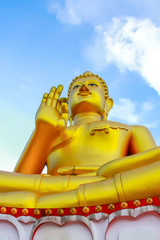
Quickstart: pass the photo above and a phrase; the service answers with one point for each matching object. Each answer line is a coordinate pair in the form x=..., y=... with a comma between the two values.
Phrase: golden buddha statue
x=92, y=161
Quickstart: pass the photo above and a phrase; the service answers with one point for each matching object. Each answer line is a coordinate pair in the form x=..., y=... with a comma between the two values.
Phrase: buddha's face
x=86, y=95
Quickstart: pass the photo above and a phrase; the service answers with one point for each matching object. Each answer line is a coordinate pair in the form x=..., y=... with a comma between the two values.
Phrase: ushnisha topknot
x=90, y=74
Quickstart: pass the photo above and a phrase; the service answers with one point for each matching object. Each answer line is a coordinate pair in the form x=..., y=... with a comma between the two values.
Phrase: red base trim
x=38, y=213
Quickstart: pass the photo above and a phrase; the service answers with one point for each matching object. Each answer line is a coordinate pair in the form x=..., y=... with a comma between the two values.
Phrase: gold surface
x=92, y=162
x=137, y=203
x=36, y=211
x=85, y=209
x=98, y=208
x=3, y=210
x=111, y=206
x=60, y=211
x=124, y=205
x=25, y=211
x=14, y=211
x=48, y=212
x=73, y=211
x=149, y=201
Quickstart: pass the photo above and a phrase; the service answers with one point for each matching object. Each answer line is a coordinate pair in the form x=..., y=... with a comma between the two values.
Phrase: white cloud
x=75, y=12
x=150, y=125
x=95, y=51
x=99, y=11
x=130, y=44
x=125, y=110
x=148, y=105
x=131, y=112
x=67, y=14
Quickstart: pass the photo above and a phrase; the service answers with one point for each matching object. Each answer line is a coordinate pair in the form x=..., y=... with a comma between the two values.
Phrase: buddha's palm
x=52, y=109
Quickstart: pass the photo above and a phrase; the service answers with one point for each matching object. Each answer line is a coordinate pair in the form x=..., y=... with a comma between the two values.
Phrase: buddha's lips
x=84, y=93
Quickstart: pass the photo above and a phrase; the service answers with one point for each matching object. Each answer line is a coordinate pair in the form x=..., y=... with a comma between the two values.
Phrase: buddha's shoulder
x=139, y=129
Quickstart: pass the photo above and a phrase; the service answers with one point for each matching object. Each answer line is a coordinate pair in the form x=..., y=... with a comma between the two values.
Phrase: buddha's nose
x=84, y=88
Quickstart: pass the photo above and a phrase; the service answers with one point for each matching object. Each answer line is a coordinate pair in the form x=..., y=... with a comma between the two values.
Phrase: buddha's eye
x=76, y=86
x=92, y=85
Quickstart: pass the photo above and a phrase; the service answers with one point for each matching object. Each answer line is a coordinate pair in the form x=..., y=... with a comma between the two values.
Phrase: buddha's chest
x=93, y=144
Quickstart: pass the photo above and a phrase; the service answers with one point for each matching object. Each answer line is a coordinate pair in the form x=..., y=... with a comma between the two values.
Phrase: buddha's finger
x=52, y=92
x=50, y=96
x=50, y=99
x=64, y=110
x=65, y=116
x=57, y=95
x=63, y=100
x=58, y=105
x=58, y=92
x=64, y=107
x=44, y=98
x=53, y=89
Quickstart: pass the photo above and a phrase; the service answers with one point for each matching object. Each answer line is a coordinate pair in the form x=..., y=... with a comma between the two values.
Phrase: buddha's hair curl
x=90, y=74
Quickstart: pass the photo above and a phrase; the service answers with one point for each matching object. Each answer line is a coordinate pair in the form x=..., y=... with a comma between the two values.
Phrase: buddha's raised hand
x=52, y=109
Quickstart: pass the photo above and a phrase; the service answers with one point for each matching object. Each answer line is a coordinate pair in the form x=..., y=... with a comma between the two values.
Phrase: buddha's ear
x=109, y=105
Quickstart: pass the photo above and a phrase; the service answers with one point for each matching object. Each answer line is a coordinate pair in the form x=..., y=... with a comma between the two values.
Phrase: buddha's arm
x=141, y=140
x=119, y=165
x=143, y=150
x=50, y=123
x=34, y=156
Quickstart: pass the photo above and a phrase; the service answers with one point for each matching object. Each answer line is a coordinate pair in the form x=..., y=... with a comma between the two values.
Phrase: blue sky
x=45, y=43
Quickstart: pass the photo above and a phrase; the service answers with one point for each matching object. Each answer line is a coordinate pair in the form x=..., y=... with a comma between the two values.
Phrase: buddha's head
x=89, y=93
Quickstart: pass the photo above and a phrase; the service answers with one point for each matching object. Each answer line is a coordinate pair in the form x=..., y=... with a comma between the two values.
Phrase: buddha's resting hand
x=52, y=109
x=72, y=170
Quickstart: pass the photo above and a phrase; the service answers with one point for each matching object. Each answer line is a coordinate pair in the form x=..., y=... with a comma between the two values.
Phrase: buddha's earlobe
x=108, y=107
